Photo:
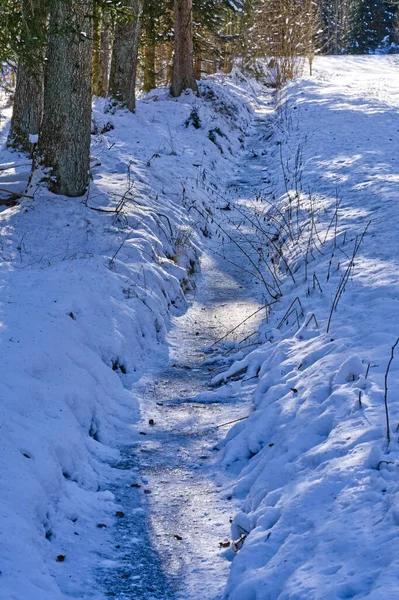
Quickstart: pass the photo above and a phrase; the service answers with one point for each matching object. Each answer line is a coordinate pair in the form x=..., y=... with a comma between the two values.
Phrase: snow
x=100, y=332
x=317, y=478
x=89, y=288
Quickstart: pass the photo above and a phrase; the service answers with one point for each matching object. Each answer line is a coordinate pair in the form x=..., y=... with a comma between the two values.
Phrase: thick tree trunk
x=64, y=142
x=169, y=63
x=183, y=65
x=104, y=56
x=96, y=48
x=122, y=82
x=28, y=107
x=149, y=57
x=198, y=65
x=28, y=97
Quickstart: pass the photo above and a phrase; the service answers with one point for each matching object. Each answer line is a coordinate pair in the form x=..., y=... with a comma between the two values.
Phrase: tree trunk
x=149, y=57
x=198, y=66
x=104, y=56
x=28, y=107
x=169, y=63
x=122, y=82
x=28, y=97
x=96, y=47
x=64, y=142
x=183, y=67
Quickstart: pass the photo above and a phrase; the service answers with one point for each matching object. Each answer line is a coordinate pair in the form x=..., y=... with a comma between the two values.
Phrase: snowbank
x=318, y=479
x=88, y=289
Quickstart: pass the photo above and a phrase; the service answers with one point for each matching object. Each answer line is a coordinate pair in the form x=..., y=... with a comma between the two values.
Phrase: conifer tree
x=183, y=61
x=122, y=81
x=64, y=141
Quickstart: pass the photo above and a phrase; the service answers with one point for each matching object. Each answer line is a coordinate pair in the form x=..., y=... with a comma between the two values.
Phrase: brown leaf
x=177, y=536
x=101, y=525
x=224, y=544
x=294, y=390
x=61, y=558
x=147, y=491
x=119, y=514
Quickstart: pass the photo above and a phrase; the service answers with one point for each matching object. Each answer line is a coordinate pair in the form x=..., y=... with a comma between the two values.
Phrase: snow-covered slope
x=86, y=297
x=318, y=479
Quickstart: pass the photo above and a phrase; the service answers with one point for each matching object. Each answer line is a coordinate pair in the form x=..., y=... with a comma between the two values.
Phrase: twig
x=231, y=422
x=16, y=194
x=312, y=317
x=290, y=311
x=345, y=276
x=242, y=322
x=386, y=388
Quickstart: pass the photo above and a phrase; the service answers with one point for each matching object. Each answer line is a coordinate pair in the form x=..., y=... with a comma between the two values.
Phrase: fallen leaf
x=119, y=514
x=135, y=485
x=294, y=390
x=101, y=525
x=61, y=558
x=147, y=491
x=224, y=544
x=177, y=537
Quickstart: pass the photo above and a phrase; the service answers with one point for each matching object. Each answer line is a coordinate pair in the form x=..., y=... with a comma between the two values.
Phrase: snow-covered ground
x=88, y=290
x=319, y=480
x=96, y=340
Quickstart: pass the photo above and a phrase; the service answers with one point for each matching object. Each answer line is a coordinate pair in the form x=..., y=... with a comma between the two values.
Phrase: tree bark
x=149, y=57
x=198, y=66
x=122, y=82
x=104, y=56
x=169, y=63
x=28, y=97
x=183, y=65
x=96, y=47
x=28, y=107
x=64, y=142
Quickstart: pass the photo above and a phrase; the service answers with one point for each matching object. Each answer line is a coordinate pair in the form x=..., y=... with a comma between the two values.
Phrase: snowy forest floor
x=115, y=381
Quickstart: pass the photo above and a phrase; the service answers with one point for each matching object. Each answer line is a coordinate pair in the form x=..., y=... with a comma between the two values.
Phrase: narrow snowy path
x=169, y=546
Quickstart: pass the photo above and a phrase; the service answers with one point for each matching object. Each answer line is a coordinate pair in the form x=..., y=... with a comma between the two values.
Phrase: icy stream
x=169, y=546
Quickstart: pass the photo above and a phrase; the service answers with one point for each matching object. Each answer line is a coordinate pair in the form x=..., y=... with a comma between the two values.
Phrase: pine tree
x=183, y=60
x=64, y=141
x=374, y=24
x=28, y=96
x=122, y=81
x=337, y=20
